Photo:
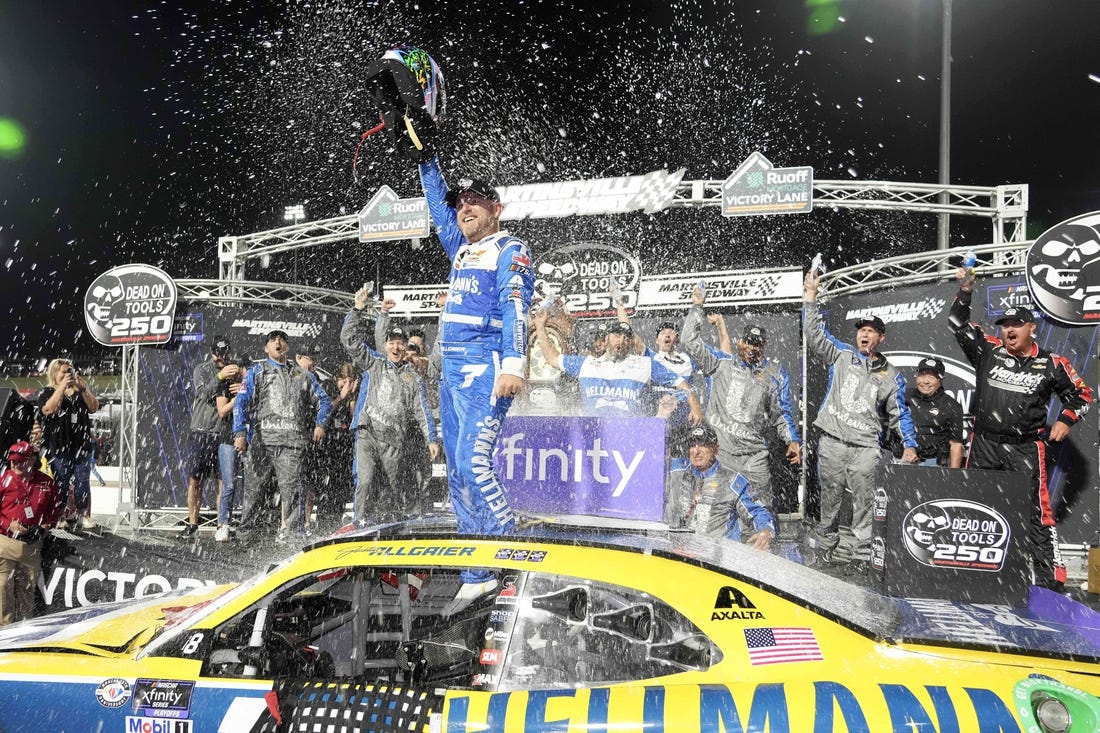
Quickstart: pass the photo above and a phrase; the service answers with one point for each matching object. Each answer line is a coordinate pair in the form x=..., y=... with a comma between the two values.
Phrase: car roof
x=1052, y=629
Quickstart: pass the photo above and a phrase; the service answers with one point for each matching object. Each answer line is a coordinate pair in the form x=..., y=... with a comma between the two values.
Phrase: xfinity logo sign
x=577, y=465
x=608, y=467
x=928, y=308
x=1000, y=298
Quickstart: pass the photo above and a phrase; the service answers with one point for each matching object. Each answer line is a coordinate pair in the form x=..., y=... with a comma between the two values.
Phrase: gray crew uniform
x=745, y=401
x=861, y=392
x=715, y=503
x=390, y=395
x=281, y=403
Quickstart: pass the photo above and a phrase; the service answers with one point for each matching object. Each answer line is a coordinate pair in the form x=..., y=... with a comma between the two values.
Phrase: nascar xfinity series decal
x=163, y=698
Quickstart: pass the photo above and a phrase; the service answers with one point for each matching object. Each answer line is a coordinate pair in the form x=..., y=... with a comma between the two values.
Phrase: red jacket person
x=29, y=505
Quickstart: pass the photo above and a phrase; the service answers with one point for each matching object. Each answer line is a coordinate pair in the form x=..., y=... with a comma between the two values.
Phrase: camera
x=413, y=349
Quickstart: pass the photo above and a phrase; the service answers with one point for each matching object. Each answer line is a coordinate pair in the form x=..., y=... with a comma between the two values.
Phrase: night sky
x=151, y=129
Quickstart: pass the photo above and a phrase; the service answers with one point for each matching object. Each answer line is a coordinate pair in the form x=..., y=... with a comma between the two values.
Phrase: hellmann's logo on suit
x=927, y=308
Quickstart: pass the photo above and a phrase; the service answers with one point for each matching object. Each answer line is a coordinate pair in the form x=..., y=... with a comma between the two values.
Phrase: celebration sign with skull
x=588, y=277
x=132, y=304
x=1063, y=270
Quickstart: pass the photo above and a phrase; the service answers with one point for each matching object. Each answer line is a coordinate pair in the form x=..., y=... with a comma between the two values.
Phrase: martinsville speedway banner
x=916, y=326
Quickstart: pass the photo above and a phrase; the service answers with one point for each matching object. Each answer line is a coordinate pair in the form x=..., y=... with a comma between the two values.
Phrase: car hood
x=107, y=628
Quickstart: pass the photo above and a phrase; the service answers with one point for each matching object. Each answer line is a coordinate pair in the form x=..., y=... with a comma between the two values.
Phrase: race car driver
x=1015, y=382
x=483, y=341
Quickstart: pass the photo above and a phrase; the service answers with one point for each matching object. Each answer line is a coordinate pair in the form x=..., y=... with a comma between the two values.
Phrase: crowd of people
x=295, y=450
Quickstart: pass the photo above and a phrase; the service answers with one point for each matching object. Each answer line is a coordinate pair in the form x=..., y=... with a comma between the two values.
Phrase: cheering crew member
x=937, y=417
x=613, y=385
x=276, y=414
x=713, y=500
x=866, y=394
x=483, y=341
x=29, y=505
x=1016, y=380
x=749, y=396
x=391, y=399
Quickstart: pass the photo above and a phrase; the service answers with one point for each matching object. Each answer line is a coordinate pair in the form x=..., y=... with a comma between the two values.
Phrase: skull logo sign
x=102, y=296
x=1063, y=270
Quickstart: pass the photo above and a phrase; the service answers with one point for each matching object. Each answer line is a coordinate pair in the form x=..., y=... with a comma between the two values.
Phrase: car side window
x=570, y=631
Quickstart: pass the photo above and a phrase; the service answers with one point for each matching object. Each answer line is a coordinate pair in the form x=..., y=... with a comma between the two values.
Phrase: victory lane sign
x=387, y=217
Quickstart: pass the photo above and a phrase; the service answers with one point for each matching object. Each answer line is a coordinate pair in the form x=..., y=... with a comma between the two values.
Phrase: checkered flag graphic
x=657, y=189
x=349, y=707
x=767, y=284
x=932, y=308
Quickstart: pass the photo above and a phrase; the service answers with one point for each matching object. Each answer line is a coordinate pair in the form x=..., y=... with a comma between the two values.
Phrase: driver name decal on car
x=408, y=551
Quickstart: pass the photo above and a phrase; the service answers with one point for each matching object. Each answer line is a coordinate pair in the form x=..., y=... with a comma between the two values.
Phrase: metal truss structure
x=127, y=446
x=221, y=292
x=1004, y=206
x=992, y=259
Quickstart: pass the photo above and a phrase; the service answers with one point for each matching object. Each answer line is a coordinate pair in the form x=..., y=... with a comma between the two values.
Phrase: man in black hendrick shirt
x=1015, y=381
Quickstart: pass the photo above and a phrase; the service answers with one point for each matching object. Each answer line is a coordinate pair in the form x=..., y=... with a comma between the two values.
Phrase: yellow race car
x=577, y=630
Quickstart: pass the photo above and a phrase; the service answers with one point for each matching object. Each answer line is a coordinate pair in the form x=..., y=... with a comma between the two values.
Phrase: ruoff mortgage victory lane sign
x=129, y=305
x=386, y=217
x=757, y=187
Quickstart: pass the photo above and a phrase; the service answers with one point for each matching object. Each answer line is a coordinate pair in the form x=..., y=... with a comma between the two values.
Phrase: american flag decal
x=775, y=646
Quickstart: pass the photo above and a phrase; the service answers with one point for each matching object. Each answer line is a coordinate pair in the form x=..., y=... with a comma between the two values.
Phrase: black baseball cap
x=277, y=333
x=475, y=186
x=396, y=332
x=1017, y=313
x=308, y=349
x=621, y=327
x=220, y=346
x=874, y=322
x=702, y=434
x=755, y=335
x=668, y=324
x=931, y=364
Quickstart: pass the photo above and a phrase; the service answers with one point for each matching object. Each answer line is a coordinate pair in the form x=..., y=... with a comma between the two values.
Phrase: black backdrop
x=916, y=324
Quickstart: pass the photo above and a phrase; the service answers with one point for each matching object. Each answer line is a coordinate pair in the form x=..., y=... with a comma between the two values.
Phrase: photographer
x=66, y=405
x=29, y=504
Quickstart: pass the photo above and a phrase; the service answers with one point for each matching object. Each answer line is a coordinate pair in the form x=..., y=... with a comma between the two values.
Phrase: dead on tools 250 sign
x=132, y=304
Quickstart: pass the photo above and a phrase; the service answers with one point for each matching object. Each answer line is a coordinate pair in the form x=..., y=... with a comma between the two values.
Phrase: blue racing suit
x=483, y=332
